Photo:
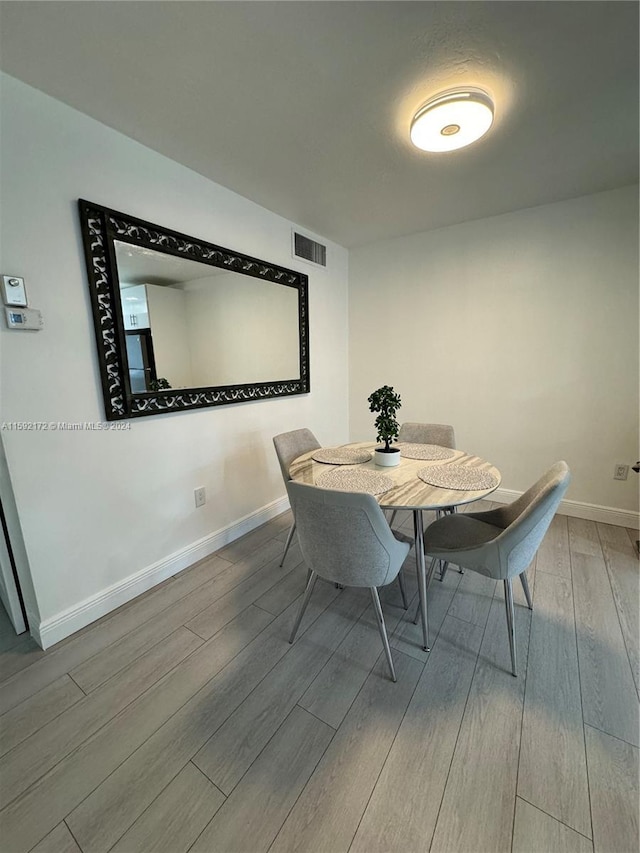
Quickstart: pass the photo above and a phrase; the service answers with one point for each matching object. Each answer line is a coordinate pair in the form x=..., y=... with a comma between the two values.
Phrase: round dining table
x=408, y=492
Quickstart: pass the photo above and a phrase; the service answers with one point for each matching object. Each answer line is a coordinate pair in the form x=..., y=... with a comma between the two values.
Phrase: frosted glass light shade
x=452, y=120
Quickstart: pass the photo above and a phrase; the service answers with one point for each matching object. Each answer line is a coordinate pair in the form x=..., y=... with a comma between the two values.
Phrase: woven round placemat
x=425, y=451
x=355, y=480
x=341, y=456
x=458, y=477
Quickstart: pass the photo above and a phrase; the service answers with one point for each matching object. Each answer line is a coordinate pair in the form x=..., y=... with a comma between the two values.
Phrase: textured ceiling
x=305, y=107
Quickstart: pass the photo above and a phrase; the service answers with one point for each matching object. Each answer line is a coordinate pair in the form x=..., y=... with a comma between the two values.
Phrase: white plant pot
x=387, y=460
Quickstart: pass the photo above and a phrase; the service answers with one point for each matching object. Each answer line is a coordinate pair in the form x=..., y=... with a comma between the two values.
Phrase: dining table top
x=409, y=491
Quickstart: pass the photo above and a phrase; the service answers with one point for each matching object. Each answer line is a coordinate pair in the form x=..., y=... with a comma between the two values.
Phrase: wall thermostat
x=24, y=318
x=13, y=290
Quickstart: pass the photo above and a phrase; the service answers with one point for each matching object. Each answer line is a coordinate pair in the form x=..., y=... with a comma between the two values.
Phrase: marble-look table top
x=409, y=491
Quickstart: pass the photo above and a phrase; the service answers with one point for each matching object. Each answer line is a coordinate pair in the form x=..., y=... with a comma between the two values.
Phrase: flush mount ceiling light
x=452, y=120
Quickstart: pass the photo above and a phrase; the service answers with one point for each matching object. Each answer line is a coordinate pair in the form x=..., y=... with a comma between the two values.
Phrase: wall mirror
x=182, y=324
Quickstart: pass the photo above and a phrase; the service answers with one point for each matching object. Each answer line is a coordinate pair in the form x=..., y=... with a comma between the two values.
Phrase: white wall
x=521, y=330
x=98, y=507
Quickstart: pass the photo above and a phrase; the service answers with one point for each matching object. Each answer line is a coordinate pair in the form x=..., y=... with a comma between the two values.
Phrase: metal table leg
x=422, y=575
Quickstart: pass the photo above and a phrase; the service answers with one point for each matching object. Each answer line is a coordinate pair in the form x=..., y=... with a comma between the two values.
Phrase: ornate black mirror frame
x=100, y=228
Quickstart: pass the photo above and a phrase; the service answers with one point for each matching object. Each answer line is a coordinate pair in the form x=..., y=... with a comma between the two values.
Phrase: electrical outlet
x=620, y=472
x=200, y=496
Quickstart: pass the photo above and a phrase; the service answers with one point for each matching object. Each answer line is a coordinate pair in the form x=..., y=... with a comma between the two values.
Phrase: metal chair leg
x=403, y=590
x=444, y=567
x=383, y=631
x=292, y=530
x=448, y=510
x=313, y=577
x=525, y=587
x=508, y=601
x=431, y=570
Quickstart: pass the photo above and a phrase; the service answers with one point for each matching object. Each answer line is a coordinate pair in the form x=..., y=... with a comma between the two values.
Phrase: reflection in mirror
x=181, y=323
x=188, y=323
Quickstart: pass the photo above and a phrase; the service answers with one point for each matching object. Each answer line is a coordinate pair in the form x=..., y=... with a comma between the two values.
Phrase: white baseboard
x=52, y=630
x=578, y=509
x=56, y=628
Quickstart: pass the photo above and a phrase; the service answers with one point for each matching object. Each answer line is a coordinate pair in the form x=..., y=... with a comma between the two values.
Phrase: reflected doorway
x=142, y=364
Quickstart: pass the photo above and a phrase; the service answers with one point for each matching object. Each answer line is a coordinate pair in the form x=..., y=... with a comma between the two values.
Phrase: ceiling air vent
x=304, y=247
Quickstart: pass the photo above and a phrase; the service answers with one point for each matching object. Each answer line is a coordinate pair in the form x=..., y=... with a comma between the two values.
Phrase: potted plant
x=159, y=384
x=386, y=402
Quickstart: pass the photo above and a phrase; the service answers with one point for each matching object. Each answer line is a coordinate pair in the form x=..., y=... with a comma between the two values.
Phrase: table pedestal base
x=418, y=531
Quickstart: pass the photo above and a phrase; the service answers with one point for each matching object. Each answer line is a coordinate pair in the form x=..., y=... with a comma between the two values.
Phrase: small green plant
x=386, y=402
x=160, y=384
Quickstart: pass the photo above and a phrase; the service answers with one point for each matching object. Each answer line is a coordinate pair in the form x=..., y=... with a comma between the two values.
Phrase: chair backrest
x=441, y=434
x=290, y=445
x=529, y=518
x=344, y=537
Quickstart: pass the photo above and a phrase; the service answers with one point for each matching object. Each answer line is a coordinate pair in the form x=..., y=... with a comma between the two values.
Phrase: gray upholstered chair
x=290, y=445
x=345, y=538
x=502, y=542
x=415, y=433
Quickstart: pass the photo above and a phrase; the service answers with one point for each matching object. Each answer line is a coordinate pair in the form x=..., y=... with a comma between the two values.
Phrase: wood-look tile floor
x=184, y=721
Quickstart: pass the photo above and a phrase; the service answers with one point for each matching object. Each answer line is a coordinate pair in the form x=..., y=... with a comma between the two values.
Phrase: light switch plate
x=13, y=290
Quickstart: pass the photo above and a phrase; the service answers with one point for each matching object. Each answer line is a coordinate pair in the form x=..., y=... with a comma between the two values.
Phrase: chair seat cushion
x=458, y=533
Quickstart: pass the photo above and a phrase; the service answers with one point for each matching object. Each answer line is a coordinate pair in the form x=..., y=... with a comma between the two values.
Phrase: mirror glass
x=189, y=324
x=181, y=323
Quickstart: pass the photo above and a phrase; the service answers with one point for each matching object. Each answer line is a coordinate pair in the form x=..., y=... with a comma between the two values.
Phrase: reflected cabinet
x=181, y=323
